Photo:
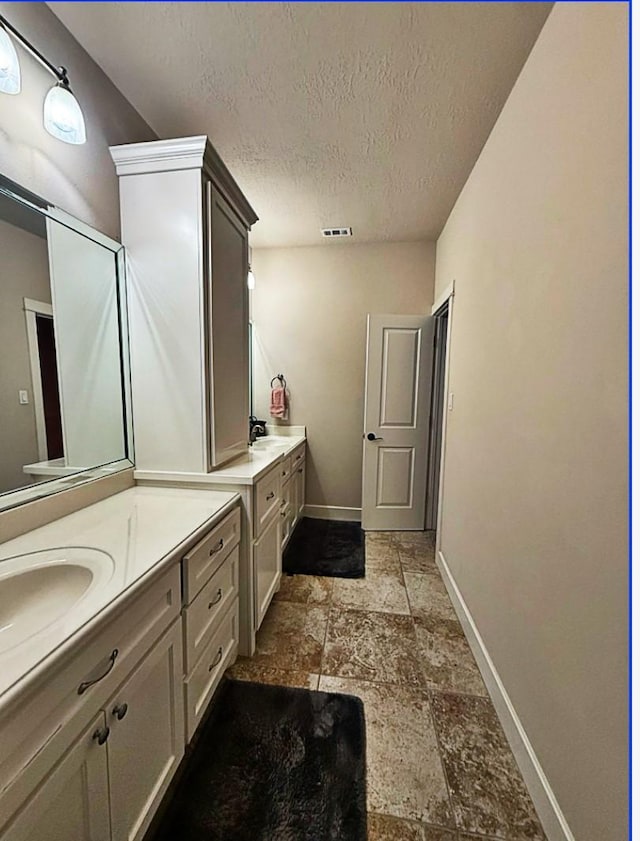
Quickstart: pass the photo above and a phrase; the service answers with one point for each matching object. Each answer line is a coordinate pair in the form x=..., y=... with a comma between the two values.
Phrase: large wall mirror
x=64, y=375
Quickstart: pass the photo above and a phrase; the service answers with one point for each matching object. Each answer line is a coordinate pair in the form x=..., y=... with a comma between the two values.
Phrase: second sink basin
x=269, y=445
x=40, y=588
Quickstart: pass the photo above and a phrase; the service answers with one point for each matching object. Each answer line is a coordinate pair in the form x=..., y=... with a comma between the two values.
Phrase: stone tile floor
x=438, y=765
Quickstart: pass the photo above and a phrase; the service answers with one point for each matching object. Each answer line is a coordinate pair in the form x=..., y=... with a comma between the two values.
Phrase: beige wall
x=310, y=310
x=24, y=273
x=79, y=179
x=535, y=488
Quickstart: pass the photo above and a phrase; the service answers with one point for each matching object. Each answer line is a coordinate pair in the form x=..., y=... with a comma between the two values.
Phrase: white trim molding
x=39, y=307
x=160, y=155
x=177, y=154
x=445, y=408
x=31, y=310
x=553, y=820
x=443, y=297
x=332, y=512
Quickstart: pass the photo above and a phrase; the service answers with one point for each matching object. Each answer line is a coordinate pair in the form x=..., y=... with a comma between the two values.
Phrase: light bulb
x=63, y=116
x=251, y=281
x=9, y=64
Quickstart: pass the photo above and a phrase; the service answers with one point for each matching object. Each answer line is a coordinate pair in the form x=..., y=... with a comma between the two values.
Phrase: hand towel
x=279, y=407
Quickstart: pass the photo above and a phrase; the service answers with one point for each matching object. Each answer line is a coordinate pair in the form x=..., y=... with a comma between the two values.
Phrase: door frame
x=31, y=310
x=437, y=402
x=445, y=298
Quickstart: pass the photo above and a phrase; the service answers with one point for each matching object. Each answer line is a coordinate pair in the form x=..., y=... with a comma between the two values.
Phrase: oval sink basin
x=269, y=445
x=41, y=588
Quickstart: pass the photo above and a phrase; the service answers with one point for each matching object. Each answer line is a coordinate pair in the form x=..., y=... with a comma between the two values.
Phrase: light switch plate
x=450, y=404
x=23, y=397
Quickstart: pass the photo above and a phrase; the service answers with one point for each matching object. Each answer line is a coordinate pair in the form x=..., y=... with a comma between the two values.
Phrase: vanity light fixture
x=62, y=114
x=10, y=81
x=251, y=281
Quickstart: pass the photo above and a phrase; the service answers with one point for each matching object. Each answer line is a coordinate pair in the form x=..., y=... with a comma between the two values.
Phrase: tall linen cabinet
x=185, y=224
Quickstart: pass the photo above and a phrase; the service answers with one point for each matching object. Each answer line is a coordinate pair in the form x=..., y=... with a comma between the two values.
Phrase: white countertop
x=243, y=470
x=52, y=467
x=138, y=528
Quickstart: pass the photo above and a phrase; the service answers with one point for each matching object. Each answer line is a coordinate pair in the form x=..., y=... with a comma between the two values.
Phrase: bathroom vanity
x=124, y=595
x=107, y=679
x=270, y=481
x=185, y=226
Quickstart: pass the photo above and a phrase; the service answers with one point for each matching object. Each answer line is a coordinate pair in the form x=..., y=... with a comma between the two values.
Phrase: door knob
x=373, y=437
x=120, y=710
x=101, y=735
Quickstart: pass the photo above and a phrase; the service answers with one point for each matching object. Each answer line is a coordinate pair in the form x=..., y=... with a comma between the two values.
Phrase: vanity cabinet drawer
x=297, y=456
x=201, y=562
x=201, y=617
x=267, y=499
x=36, y=734
x=218, y=654
x=285, y=469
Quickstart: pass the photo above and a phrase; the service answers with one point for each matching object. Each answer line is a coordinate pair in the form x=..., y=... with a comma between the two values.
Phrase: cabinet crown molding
x=178, y=154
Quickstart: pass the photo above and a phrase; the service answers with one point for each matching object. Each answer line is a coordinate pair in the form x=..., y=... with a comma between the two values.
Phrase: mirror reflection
x=61, y=374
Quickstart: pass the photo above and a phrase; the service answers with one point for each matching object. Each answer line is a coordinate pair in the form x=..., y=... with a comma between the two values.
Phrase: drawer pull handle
x=300, y=470
x=284, y=472
x=101, y=735
x=120, y=710
x=217, y=598
x=217, y=660
x=299, y=456
x=270, y=495
x=87, y=683
x=217, y=547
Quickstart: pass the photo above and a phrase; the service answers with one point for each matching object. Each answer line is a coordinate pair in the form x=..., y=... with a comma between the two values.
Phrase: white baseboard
x=332, y=512
x=553, y=821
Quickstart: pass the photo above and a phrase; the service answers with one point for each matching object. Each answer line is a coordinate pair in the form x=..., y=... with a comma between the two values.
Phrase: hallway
x=438, y=765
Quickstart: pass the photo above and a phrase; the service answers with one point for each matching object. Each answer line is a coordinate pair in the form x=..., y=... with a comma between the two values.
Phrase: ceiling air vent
x=337, y=232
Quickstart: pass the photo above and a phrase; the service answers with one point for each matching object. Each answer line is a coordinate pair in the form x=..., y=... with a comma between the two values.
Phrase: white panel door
x=396, y=421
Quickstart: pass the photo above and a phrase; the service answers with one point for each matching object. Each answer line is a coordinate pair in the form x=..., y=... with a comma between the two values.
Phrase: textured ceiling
x=362, y=114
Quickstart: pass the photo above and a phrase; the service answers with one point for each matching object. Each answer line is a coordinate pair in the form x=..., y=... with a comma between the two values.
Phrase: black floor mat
x=273, y=764
x=325, y=547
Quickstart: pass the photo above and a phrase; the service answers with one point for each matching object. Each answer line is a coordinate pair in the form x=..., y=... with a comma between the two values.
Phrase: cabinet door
x=299, y=479
x=228, y=330
x=302, y=487
x=286, y=512
x=293, y=515
x=146, y=744
x=73, y=801
x=267, y=561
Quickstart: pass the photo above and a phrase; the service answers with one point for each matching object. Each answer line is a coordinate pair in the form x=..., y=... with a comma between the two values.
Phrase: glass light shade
x=251, y=281
x=9, y=65
x=63, y=116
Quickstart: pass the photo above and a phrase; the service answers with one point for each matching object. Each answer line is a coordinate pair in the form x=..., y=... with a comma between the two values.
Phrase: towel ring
x=280, y=377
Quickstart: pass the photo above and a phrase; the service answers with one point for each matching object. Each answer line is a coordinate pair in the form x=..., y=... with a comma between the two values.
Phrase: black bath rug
x=273, y=764
x=325, y=547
